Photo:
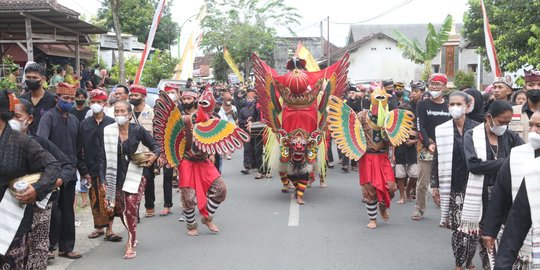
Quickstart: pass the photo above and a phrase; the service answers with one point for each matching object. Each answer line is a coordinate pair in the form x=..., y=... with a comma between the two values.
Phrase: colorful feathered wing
x=346, y=129
x=336, y=84
x=218, y=136
x=267, y=92
x=169, y=129
x=398, y=125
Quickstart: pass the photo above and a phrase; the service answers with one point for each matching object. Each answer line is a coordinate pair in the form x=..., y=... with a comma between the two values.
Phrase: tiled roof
x=34, y=5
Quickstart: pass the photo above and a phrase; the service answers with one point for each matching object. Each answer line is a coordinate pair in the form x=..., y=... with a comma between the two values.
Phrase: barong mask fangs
x=299, y=146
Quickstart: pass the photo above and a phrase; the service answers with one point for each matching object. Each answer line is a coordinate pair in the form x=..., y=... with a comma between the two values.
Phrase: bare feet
x=192, y=232
x=401, y=201
x=300, y=201
x=372, y=224
x=211, y=226
x=384, y=213
x=323, y=185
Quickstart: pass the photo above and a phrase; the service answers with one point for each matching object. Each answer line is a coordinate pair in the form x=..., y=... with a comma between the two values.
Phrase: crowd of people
x=472, y=149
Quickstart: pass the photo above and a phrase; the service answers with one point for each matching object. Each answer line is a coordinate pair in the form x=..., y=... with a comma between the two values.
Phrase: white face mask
x=498, y=130
x=121, y=119
x=17, y=125
x=172, y=96
x=96, y=108
x=435, y=94
x=534, y=140
x=456, y=111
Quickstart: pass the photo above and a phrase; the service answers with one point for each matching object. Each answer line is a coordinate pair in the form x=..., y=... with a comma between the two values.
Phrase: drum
x=257, y=129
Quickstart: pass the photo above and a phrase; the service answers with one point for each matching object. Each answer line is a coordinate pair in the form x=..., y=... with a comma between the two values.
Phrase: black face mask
x=33, y=85
x=188, y=106
x=135, y=101
x=80, y=102
x=390, y=92
x=534, y=95
x=399, y=93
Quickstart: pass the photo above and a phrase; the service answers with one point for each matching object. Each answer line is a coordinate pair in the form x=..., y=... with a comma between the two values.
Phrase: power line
x=402, y=4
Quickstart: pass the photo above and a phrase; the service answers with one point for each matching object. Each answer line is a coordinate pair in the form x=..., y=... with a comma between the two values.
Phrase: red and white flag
x=490, y=45
x=150, y=40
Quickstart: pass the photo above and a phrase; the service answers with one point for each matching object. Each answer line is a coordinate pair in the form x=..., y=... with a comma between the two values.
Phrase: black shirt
x=90, y=137
x=80, y=114
x=526, y=109
x=46, y=103
x=429, y=115
x=62, y=129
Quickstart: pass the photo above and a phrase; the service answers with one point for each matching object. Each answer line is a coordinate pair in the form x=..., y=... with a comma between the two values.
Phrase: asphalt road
x=327, y=233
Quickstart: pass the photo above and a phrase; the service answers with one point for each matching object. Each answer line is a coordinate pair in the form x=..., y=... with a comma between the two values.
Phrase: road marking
x=294, y=212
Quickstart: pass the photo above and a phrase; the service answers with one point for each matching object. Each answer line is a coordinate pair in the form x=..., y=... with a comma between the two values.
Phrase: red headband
x=438, y=77
x=138, y=89
x=171, y=86
x=98, y=94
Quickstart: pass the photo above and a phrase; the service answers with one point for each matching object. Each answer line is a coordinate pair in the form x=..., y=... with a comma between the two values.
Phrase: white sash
x=12, y=213
x=532, y=182
x=134, y=172
x=472, y=205
x=444, y=135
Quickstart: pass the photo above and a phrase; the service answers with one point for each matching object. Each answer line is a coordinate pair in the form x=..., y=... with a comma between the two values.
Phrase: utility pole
x=328, y=41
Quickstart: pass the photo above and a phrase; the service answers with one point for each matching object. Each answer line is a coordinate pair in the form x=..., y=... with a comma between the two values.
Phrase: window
x=373, y=49
x=472, y=67
x=388, y=48
x=436, y=68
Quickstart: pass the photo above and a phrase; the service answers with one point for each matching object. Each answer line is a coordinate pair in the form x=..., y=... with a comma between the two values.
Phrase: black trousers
x=150, y=190
x=63, y=219
x=249, y=154
x=167, y=187
x=329, y=154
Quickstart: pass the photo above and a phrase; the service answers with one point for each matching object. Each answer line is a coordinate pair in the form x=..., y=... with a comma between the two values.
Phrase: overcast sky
x=342, y=13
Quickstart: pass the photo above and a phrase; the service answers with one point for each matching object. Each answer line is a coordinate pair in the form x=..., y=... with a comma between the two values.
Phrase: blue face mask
x=251, y=103
x=64, y=105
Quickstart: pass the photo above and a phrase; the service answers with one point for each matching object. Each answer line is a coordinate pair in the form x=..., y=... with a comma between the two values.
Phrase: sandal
x=258, y=176
x=130, y=255
x=417, y=216
x=95, y=234
x=149, y=213
x=113, y=238
x=165, y=212
x=70, y=255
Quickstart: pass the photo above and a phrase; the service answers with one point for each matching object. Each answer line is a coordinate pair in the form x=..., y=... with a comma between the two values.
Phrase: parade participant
x=198, y=137
x=406, y=166
x=293, y=107
x=522, y=113
x=91, y=144
x=125, y=179
x=429, y=114
x=228, y=111
x=393, y=101
x=247, y=115
x=61, y=128
x=486, y=148
x=523, y=218
x=367, y=137
x=121, y=92
x=169, y=174
x=476, y=111
x=42, y=100
x=357, y=102
x=519, y=97
x=143, y=115
x=80, y=109
x=19, y=156
x=39, y=249
x=502, y=88
x=450, y=177
x=399, y=91
x=506, y=186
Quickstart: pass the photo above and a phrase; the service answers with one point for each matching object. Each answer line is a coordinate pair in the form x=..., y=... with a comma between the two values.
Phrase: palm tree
x=424, y=53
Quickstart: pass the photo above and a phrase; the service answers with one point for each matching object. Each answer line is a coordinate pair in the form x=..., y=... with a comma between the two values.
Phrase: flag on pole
x=150, y=40
x=490, y=45
x=303, y=53
x=184, y=69
x=230, y=61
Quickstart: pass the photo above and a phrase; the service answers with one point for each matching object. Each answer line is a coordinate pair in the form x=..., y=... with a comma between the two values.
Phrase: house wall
x=380, y=59
x=107, y=56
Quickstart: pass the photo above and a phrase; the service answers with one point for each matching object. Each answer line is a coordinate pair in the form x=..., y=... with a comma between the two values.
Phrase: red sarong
x=198, y=175
x=377, y=170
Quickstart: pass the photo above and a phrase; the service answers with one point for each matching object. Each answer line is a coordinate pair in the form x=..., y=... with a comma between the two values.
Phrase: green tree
x=245, y=27
x=424, y=53
x=464, y=80
x=131, y=66
x=160, y=66
x=221, y=69
x=514, y=27
x=136, y=18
